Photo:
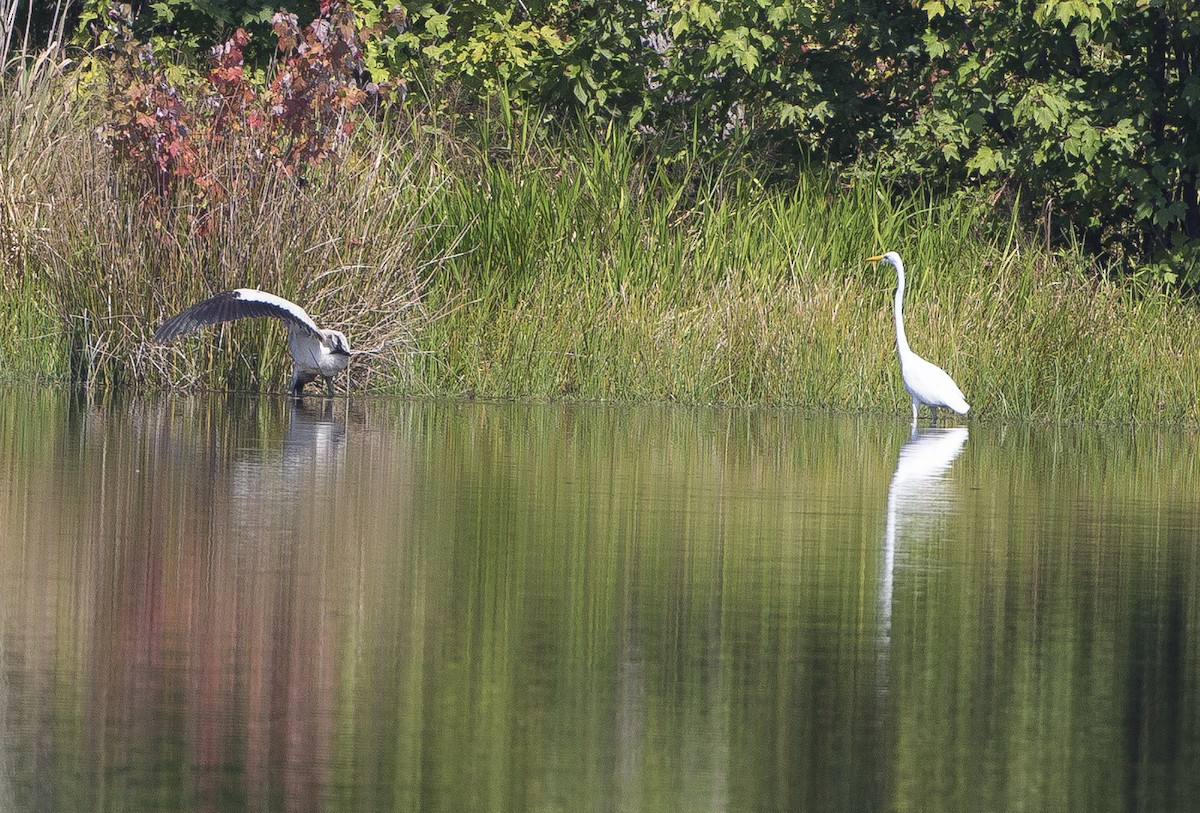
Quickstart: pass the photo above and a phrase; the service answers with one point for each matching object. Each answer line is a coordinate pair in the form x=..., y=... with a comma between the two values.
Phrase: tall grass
x=347, y=246
x=110, y=262
x=502, y=264
x=620, y=281
x=35, y=126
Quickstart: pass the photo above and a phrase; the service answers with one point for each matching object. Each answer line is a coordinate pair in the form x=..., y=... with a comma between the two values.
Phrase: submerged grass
x=500, y=265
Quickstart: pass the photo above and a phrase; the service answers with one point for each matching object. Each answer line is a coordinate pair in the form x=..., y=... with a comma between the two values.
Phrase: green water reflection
x=216, y=604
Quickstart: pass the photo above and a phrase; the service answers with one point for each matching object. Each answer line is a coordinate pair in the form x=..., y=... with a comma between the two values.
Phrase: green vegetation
x=1085, y=113
x=754, y=296
x=489, y=255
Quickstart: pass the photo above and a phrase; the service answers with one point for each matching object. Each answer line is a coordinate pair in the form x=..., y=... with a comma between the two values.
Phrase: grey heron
x=926, y=382
x=315, y=351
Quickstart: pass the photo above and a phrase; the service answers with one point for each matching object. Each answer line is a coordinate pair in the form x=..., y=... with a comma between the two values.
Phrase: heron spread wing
x=243, y=303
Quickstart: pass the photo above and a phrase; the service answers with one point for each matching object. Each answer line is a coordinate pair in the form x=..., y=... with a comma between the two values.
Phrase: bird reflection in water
x=314, y=436
x=285, y=508
x=919, y=503
x=917, y=499
x=272, y=486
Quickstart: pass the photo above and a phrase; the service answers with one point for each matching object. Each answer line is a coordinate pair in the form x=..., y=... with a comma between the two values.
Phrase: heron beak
x=873, y=259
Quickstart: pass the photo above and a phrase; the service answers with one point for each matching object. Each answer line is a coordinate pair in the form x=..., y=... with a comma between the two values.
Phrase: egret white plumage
x=926, y=382
x=315, y=351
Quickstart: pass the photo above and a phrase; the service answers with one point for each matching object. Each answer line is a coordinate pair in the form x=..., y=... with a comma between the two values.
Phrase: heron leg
x=328, y=386
x=299, y=379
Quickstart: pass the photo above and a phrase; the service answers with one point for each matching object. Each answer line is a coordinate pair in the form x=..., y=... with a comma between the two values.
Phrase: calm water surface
x=224, y=604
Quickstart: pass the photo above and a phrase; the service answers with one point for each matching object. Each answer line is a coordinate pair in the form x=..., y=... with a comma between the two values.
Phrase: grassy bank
x=501, y=265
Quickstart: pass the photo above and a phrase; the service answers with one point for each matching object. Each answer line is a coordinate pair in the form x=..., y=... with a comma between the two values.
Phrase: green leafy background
x=1081, y=113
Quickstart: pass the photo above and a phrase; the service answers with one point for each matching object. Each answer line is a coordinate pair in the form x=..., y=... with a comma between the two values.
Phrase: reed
x=110, y=262
x=501, y=263
x=35, y=126
x=625, y=283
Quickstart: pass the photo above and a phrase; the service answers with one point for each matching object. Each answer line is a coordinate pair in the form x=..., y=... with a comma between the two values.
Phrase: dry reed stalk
x=351, y=245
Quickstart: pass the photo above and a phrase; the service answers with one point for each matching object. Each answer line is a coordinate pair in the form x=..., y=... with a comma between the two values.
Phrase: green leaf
x=934, y=45
x=164, y=11
x=985, y=161
x=1170, y=214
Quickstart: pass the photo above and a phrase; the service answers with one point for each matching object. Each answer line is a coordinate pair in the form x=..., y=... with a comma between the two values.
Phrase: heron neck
x=901, y=338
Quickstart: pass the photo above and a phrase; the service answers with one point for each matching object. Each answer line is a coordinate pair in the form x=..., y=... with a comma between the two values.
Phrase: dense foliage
x=1091, y=106
x=202, y=138
x=1084, y=113
x=492, y=255
x=1087, y=111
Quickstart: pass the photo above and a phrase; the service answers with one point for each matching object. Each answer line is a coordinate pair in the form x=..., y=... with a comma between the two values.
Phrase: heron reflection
x=917, y=496
x=315, y=436
x=281, y=481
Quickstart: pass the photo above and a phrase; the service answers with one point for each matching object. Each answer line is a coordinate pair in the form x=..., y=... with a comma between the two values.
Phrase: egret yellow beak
x=873, y=259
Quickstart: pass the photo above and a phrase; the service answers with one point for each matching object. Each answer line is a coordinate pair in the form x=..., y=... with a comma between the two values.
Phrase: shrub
x=1085, y=111
x=172, y=137
x=1089, y=107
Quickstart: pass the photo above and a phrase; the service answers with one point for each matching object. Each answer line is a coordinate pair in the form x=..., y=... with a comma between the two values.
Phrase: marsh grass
x=625, y=283
x=110, y=262
x=35, y=125
x=499, y=264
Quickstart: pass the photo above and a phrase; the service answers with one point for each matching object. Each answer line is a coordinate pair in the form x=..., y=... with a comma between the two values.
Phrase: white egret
x=315, y=352
x=926, y=382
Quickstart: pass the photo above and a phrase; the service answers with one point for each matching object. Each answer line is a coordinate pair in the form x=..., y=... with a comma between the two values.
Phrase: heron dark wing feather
x=224, y=307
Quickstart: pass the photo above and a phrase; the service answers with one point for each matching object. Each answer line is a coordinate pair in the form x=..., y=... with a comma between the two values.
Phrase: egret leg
x=915, y=411
x=933, y=411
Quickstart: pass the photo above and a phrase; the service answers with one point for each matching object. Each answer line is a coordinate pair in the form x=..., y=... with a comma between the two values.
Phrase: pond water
x=223, y=603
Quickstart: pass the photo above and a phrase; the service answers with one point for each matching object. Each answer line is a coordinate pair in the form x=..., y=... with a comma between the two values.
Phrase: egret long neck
x=901, y=339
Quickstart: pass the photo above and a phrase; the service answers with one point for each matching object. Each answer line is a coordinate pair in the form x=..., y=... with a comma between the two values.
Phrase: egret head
x=891, y=257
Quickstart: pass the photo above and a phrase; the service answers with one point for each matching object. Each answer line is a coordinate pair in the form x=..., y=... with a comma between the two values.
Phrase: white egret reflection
x=918, y=497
